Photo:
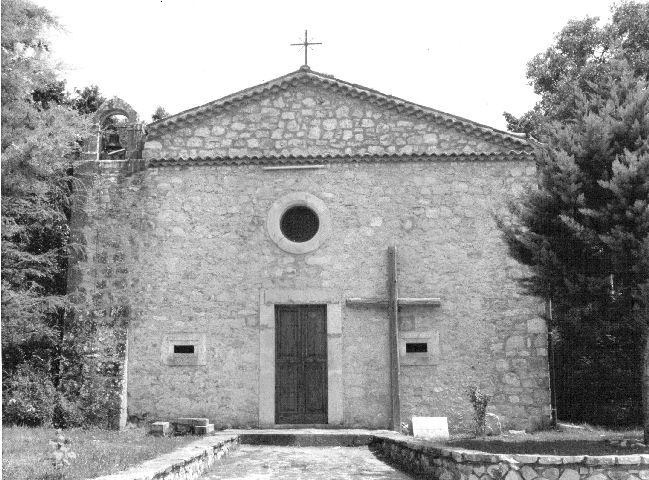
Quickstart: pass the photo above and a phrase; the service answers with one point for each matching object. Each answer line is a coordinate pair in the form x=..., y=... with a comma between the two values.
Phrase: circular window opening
x=299, y=224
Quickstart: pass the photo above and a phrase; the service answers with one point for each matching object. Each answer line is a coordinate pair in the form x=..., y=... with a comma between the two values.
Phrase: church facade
x=309, y=252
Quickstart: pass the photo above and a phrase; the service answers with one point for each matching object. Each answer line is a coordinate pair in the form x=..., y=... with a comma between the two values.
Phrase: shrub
x=67, y=414
x=99, y=400
x=60, y=453
x=479, y=400
x=29, y=398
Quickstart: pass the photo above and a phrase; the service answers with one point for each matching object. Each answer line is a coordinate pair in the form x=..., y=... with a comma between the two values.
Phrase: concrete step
x=306, y=439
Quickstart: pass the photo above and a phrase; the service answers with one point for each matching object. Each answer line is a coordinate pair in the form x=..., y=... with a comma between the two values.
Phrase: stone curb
x=186, y=463
x=475, y=456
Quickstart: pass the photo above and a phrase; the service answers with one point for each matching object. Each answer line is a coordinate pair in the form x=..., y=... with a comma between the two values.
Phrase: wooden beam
x=380, y=302
x=431, y=301
x=402, y=302
x=393, y=311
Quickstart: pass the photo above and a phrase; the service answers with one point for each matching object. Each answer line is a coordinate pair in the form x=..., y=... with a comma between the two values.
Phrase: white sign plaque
x=430, y=427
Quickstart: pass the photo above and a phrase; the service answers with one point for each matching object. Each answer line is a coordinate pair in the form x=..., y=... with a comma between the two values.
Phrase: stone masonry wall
x=306, y=120
x=198, y=253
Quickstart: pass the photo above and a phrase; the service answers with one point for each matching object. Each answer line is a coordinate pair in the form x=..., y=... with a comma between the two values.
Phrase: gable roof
x=306, y=75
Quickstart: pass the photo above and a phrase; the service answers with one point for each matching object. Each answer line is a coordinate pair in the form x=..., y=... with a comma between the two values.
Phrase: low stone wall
x=187, y=463
x=442, y=463
x=414, y=455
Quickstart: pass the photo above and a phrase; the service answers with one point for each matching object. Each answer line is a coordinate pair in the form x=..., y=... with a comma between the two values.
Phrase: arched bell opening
x=121, y=135
x=113, y=137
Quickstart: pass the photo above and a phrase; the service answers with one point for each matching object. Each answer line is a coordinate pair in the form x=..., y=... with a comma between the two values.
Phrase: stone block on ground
x=193, y=421
x=430, y=427
x=492, y=424
x=204, y=429
x=160, y=428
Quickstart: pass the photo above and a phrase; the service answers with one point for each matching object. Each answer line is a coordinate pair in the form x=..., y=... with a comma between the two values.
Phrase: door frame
x=268, y=298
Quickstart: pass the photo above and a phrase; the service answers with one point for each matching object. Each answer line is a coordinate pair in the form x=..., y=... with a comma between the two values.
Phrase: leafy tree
x=585, y=231
x=53, y=93
x=88, y=100
x=159, y=114
x=40, y=144
x=582, y=56
x=85, y=101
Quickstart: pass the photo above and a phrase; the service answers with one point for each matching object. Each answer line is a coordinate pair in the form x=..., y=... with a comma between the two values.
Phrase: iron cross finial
x=306, y=44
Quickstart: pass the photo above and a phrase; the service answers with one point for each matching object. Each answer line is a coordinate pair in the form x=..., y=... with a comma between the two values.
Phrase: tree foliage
x=592, y=200
x=85, y=101
x=583, y=55
x=159, y=114
x=42, y=133
x=88, y=100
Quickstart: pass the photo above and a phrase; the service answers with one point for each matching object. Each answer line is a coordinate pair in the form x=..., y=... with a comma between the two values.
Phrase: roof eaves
x=512, y=155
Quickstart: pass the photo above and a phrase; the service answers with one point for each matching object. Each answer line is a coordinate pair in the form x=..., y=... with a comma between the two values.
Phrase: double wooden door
x=301, y=364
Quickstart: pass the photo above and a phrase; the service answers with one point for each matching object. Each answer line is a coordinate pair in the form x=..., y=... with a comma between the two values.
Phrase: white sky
x=467, y=57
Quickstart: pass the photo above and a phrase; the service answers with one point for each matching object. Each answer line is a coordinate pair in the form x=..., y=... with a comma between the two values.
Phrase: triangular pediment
x=306, y=114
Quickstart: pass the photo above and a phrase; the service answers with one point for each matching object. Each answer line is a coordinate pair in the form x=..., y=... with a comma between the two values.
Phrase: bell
x=113, y=142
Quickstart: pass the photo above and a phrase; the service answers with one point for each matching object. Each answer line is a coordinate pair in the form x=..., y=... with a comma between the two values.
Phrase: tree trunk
x=645, y=385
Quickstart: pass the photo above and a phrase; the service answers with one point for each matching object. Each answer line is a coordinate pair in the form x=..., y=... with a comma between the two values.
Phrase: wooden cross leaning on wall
x=393, y=302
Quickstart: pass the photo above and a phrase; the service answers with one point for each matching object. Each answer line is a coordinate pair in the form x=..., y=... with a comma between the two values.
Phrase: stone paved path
x=250, y=462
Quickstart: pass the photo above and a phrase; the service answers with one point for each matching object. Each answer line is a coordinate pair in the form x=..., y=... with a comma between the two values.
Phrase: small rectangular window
x=416, y=347
x=183, y=348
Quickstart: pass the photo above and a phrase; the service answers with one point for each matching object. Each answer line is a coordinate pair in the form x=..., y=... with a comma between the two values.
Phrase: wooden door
x=301, y=364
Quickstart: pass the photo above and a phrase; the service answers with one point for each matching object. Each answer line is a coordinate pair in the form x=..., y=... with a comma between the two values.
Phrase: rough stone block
x=160, y=428
x=619, y=475
x=493, y=424
x=513, y=475
x=430, y=427
x=569, y=474
x=550, y=473
x=536, y=325
x=528, y=472
x=204, y=429
x=601, y=460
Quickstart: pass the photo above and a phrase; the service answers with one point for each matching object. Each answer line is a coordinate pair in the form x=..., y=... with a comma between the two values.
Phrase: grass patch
x=99, y=452
x=574, y=441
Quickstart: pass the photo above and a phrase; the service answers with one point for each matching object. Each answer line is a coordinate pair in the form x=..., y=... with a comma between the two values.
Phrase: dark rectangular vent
x=183, y=348
x=416, y=347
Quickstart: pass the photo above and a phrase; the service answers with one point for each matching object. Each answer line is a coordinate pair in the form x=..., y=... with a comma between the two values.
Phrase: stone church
x=309, y=251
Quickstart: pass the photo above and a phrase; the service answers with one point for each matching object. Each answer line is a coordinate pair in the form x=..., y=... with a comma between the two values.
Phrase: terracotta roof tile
x=512, y=155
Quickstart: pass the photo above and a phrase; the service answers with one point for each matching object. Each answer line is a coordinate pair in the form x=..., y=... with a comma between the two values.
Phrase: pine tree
x=585, y=231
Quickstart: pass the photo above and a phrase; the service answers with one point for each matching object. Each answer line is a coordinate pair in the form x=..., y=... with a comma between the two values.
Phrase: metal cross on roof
x=306, y=44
